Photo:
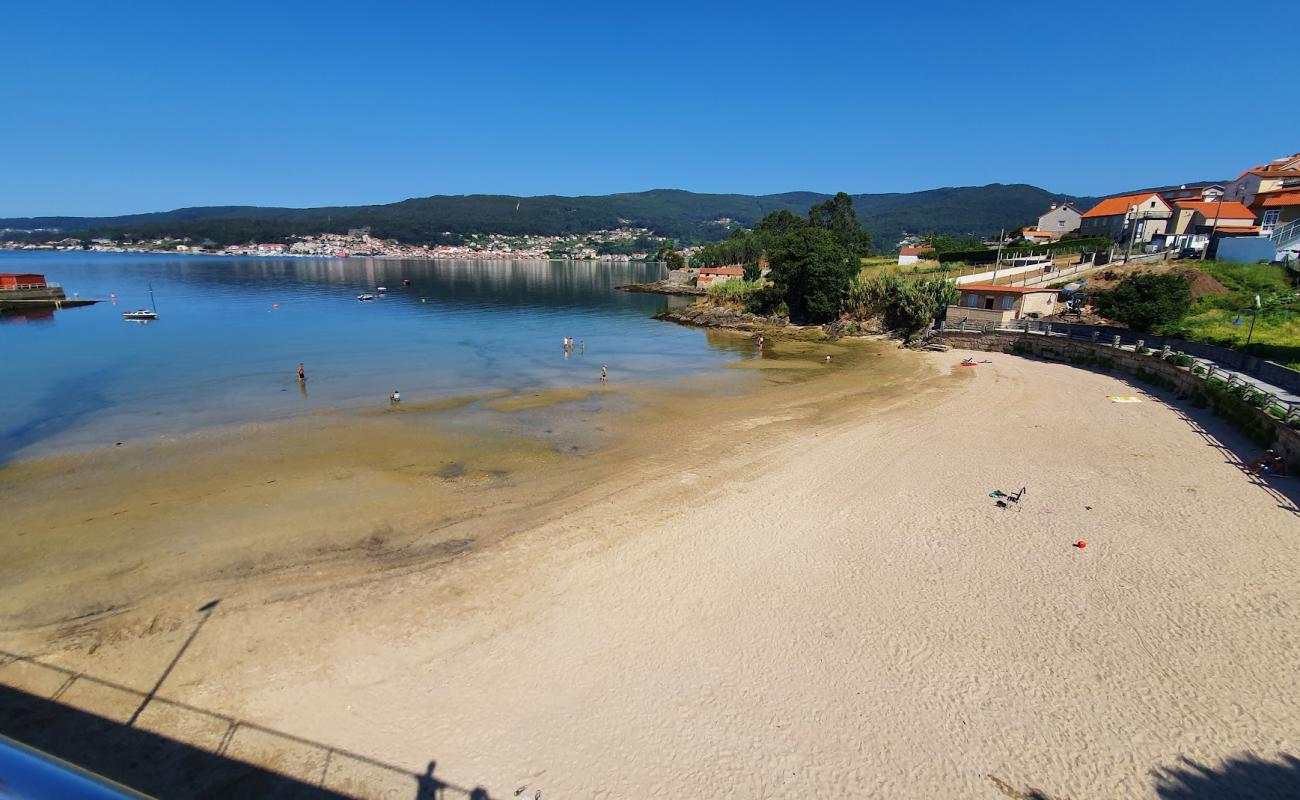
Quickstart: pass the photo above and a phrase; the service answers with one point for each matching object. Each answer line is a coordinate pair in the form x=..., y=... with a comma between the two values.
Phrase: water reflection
x=231, y=332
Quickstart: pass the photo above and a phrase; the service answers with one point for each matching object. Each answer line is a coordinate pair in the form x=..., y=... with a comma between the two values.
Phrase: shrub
x=907, y=305
x=1145, y=301
x=1229, y=403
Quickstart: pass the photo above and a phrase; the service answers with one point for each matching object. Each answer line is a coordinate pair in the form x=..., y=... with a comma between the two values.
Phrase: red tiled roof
x=1209, y=209
x=988, y=288
x=1238, y=229
x=914, y=251
x=1276, y=199
x=1113, y=206
x=722, y=271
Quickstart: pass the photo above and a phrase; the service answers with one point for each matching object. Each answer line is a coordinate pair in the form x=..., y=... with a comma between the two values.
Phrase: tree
x=753, y=271
x=837, y=216
x=812, y=273
x=778, y=223
x=1145, y=301
x=669, y=256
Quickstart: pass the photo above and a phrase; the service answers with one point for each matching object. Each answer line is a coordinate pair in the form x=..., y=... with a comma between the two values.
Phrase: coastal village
x=619, y=244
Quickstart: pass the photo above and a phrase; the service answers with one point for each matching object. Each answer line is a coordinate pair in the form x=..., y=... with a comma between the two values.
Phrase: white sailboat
x=143, y=314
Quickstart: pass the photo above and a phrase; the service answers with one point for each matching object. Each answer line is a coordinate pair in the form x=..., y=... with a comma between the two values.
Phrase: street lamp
x=1254, y=314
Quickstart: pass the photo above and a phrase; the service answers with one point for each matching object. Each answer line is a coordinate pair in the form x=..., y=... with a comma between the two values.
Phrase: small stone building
x=984, y=303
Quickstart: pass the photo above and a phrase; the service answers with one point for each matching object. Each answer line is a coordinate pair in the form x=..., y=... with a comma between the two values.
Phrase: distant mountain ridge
x=676, y=213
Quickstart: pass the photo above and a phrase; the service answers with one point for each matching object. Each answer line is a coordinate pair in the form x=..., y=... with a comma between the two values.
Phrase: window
x=988, y=303
x=1008, y=303
x=1269, y=221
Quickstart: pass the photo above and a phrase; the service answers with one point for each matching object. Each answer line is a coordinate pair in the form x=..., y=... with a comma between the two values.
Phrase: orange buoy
x=276, y=306
x=1081, y=544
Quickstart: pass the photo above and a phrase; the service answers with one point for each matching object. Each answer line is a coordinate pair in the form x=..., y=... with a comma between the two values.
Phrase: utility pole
x=1218, y=211
x=1132, y=234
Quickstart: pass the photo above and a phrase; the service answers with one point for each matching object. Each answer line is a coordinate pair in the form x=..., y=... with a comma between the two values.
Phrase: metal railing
x=22, y=286
x=1286, y=235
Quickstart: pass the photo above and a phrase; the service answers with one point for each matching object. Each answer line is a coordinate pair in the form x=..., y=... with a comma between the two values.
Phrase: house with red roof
x=1279, y=219
x=1276, y=174
x=911, y=255
x=984, y=303
x=1139, y=217
x=711, y=276
x=1194, y=221
x=1059, y=220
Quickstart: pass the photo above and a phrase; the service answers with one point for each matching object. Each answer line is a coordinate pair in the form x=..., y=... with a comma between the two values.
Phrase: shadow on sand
x=162, y=766
x=1243, y=777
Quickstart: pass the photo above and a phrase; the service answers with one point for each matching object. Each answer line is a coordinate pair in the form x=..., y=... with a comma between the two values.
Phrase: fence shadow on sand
x=218, y=756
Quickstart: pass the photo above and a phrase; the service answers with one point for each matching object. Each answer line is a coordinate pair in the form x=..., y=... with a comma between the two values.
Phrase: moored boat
x=143, y=314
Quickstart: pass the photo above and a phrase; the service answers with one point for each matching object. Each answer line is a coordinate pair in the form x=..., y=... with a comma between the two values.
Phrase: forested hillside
x=686, y=216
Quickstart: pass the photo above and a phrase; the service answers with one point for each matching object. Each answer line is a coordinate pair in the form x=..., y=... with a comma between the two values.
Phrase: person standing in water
x=302, y=373
x=582, y=346
x=395, y=397
x=604, y=373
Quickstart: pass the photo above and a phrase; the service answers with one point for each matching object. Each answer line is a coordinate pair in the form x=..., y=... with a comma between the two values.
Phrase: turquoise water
x=223, y=353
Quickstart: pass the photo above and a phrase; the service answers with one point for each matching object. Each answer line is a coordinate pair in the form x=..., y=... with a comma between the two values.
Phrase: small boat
x=406, y=281
x=382, y=289
x=143, y=314
x=365, y=297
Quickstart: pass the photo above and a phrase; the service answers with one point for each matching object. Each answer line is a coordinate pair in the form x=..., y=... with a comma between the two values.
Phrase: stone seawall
x=1058, y=348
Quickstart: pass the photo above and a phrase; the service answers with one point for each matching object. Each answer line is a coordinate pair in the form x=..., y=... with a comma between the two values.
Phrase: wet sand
x=793, y=585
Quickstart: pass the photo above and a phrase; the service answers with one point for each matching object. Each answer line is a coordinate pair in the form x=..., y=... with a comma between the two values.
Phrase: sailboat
x=144, y=314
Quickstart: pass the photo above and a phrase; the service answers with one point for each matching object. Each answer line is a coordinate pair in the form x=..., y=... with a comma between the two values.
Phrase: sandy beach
x=801, y=589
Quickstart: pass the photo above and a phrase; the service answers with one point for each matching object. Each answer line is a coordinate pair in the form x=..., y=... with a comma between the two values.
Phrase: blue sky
x=110, y=108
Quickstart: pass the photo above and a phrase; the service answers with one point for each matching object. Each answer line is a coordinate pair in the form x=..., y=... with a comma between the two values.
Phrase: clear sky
x=120, y=107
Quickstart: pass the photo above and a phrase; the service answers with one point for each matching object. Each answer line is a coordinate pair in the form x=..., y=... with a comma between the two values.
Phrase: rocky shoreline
x=707, y=315
x=663, y=287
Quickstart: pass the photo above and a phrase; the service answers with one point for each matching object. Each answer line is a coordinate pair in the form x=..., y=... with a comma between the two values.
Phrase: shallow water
x=232, y=331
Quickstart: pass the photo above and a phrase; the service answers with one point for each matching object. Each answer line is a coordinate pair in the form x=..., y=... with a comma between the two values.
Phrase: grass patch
x=1277, y=327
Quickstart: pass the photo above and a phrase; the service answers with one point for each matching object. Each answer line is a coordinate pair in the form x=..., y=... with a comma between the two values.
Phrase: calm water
x=222, y=352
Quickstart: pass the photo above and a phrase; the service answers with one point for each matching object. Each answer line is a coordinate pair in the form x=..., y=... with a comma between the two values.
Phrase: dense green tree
x=778, y=223
x=668, y=254
x=812, y=273
x=753, y=271
x=1145, y=301
x=837, y=216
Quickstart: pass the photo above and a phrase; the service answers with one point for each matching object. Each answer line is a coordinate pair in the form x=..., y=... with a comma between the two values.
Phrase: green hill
x=688, y=216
